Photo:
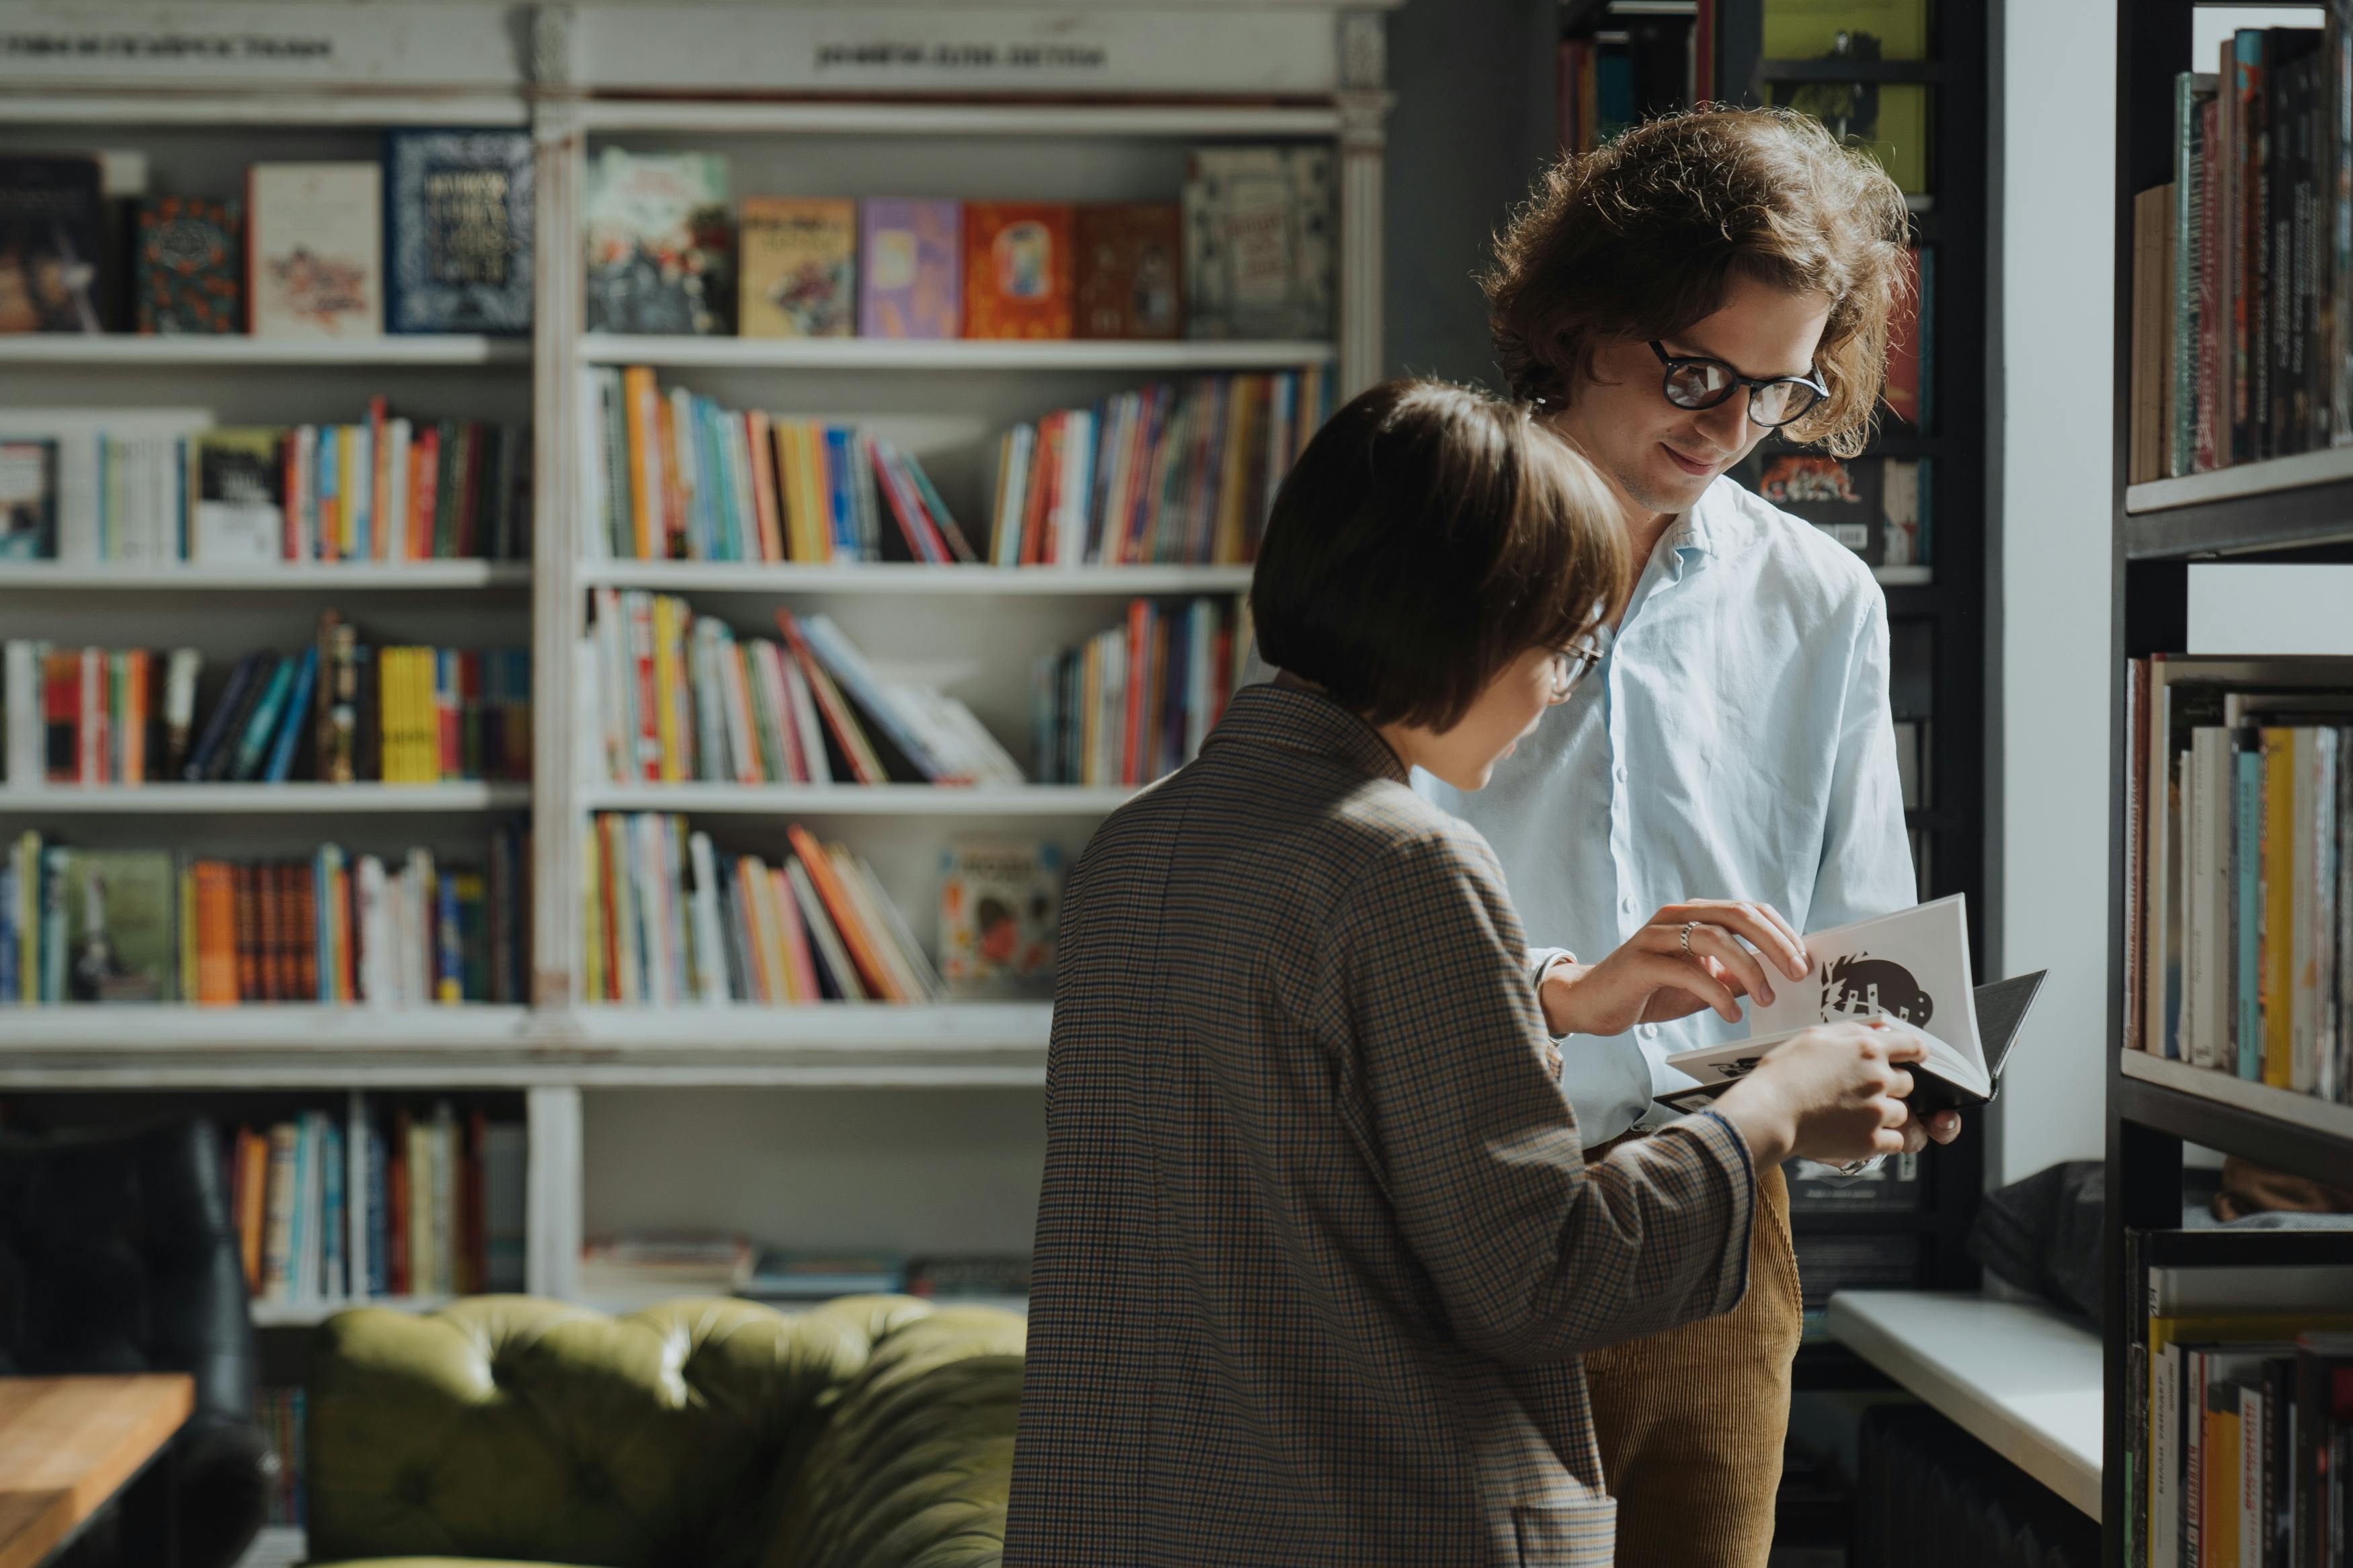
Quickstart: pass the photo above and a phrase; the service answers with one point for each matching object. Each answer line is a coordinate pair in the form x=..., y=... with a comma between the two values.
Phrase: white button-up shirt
x=1734, y=744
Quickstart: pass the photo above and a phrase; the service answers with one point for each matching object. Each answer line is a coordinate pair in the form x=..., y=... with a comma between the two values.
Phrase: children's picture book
x=189, y=265
x=458, y=240
x=53, y=251
x=911, y=269
x=999, y=907
x=1258, y=242
x=1909, y=969
x=1130, y=265
x=239, y=516
x=28, y=500
x=1838, y=496
x=1018, y=269
x=799, y=258
x=661, y=245
x=118, y=907
x=314, y=263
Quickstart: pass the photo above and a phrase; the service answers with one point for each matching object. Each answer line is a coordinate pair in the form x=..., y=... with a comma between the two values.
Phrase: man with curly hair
x=1669, y=301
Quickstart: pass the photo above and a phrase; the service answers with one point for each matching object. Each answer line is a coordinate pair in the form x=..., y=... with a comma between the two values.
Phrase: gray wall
x=1472, y=123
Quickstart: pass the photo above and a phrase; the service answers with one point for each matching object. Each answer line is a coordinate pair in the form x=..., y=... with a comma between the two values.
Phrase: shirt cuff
x=1541, y=960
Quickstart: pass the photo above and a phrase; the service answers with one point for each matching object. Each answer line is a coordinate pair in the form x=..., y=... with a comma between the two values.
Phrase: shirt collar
x=1298, y=719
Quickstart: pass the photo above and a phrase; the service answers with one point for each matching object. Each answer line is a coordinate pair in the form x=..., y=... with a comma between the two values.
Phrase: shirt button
x=1648, y=1031
x=1627, y=904
x=1618, y=772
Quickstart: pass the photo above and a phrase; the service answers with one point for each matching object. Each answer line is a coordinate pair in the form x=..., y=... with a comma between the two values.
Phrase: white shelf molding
x=946, y=354
x=860, y=800
x=304, y=1314
x=2229, y=1089
x=186, y=1029
x=1115, y=121
x=235, y=350
x=34, y=106
x=2324, y=466
x=947, y=1027
x=262, y=799
x=2016, y=1375
x=907, y=578
x=296, y=576
x=1904, y=576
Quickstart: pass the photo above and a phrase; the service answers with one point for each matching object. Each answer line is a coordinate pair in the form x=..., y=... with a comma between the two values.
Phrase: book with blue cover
x=457, y=231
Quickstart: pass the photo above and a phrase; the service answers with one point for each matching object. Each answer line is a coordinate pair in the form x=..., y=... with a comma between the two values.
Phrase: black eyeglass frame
x=1670, y=364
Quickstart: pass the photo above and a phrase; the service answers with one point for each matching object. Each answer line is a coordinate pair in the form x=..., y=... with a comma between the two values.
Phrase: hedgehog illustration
x=1861, y=987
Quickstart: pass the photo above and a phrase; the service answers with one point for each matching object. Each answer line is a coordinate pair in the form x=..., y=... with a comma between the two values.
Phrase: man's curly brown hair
x=1638, y=240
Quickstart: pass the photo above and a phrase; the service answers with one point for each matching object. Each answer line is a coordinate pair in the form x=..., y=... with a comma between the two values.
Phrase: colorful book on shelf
x=189, y=265
x=1136, y=701
x=999, y=912
x=1258, y=243
x=660, y=249
x=28, y=499
x=314, y=251
x=54, y=254
x=1130, y=270
x=1018, y=269
x=458, y=229
x=798, y=258
x=1873, y=506
x=911, y=269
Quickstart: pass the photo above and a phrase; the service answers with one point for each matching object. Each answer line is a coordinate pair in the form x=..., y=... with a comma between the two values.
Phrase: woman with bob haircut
x=1317, y=1249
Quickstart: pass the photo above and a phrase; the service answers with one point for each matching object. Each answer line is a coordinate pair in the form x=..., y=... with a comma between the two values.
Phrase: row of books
x=82, y=925
x=1136, y=701
x=436, y=237
x=156, y=486
x=1163, y=474
x=670, y=920
x=1246, y=254
x=628, y=1272
x=377, y=1203
x=2243, y=263
x=279, y=1410
x=2239, y=1414
x=2242, y=899
x=676, y=477
x=338, y=711
x=680, y=699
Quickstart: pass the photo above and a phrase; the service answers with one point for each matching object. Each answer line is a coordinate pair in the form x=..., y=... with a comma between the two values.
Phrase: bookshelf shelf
x=306, y=1314
x=2295, y=1131
x=860, y=800
x=941, y=1027
x=947, y=355
x=184, y=1029
x=758, y=116
x=294, y=576
x=230, y=351
x=912, y=580
x=259, y=799
x=1904, y=576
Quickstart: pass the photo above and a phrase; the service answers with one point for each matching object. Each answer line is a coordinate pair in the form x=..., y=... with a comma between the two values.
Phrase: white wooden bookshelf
x=1142, y=357
x=133, y=352
x=243, y=799
x=291, y=576
x=604, y=1085
x=2307, y=1110
x=908, y=579
x=2329, y=465
x=305, y=1313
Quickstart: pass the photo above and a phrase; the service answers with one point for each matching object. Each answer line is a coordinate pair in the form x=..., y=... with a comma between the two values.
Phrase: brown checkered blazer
x=1317, y=1251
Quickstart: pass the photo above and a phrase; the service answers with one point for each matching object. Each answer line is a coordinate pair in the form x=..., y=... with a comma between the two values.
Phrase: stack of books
x=625, y=1274
x=372, y=1205
x=336, y=712
x=785, y=1277
x=150, y=925
x=1166, y=474
x=668, y=919
x=677, y=478
x=1136, y=701
x=279, y=1408
x=680, y=699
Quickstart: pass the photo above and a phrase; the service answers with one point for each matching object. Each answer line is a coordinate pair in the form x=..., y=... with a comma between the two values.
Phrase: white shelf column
x=554, y=1194
x=1364, y=102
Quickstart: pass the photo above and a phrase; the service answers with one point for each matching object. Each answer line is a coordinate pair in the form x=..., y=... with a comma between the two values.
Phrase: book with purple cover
x=911, y=262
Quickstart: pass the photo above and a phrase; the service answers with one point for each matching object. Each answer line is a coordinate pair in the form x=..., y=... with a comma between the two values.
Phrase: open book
x=1910, y=968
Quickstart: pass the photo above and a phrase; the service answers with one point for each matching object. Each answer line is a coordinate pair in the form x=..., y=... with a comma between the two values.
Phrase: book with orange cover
x=833, y=707
x=759, y=443
x=872, y=972
x=638, y=402
x=216, y=939
x=1018, y=269
x=252, y=1202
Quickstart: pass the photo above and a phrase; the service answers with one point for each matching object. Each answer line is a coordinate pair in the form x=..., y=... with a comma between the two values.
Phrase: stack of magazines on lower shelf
x=152, y=925
x=681, y=699
x=670, y=919
x=631, y=1272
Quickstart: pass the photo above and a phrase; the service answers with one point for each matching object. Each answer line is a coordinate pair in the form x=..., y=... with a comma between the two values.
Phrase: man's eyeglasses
x=1697, y=384
x=1574, y=663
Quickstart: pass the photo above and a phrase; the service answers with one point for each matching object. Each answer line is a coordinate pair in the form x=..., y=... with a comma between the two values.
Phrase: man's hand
x=1833, y=1094
x=1657, y=975
x=1942, y=1127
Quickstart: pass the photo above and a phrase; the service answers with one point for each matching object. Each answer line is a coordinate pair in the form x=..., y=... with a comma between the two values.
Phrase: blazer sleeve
x=1537, y=1256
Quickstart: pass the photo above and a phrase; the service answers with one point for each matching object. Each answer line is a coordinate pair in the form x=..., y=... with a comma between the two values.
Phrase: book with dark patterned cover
x=189, y=265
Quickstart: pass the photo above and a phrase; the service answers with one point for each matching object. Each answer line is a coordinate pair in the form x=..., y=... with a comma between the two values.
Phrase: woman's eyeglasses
x=1574, y=663
x=1697, y=384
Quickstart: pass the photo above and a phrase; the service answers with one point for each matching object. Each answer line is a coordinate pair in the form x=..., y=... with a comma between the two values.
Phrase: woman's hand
x=1835, y=1094
x=1658, y=975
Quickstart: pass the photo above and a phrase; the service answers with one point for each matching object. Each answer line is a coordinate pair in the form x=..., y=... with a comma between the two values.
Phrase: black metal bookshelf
x=2285, y=510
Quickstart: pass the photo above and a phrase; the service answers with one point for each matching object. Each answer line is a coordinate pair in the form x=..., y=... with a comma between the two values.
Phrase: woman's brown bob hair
x=1637, y=241
x=1429, y=536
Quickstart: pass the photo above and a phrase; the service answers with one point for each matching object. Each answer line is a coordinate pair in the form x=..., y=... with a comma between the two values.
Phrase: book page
x=1911, y=965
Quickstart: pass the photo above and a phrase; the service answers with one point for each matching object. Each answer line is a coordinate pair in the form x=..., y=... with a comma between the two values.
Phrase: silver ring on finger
x=1689, y=927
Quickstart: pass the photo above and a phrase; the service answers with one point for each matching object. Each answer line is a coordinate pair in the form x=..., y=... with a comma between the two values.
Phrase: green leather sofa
x=871, y=1432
